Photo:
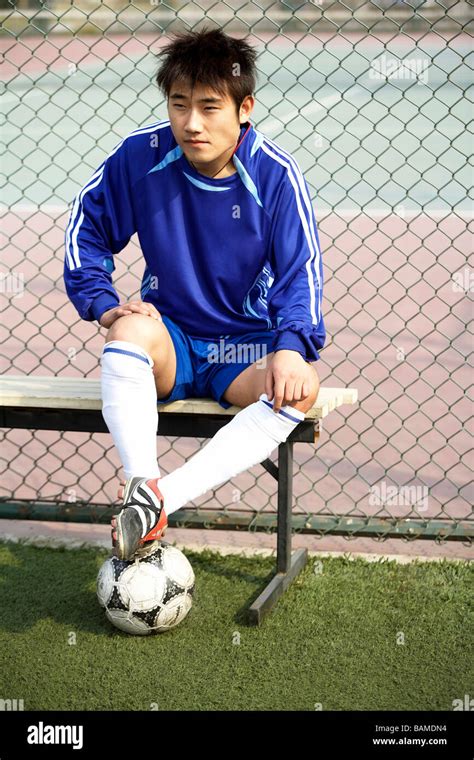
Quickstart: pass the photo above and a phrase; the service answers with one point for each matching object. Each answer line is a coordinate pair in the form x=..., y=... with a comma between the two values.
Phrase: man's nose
x=193, y=122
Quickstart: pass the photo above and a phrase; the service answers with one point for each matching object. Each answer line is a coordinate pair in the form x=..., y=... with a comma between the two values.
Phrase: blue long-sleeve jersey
x=223, y=256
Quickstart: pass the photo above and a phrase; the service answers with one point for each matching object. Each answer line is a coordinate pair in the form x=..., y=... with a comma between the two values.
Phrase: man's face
x=205, y=123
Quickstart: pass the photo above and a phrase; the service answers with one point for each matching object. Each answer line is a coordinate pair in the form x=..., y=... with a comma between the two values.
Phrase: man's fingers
x=151, y=310
x=132, y=307
x=141, y=307
x=298, y=392
x=154, y=312
x=279, y=392
x=138, y=307
x=121, y=313
x=290, y=392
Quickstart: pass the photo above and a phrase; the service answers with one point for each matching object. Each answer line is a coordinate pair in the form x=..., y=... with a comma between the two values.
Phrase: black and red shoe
x=142, y=519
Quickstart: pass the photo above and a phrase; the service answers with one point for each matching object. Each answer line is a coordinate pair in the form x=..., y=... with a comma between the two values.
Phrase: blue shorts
x=206, y=368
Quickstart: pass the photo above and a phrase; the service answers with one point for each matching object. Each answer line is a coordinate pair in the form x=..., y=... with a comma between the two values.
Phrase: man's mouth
x=196, y=142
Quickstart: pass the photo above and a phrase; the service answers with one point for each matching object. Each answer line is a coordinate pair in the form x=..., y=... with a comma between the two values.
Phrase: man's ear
x=246, y=108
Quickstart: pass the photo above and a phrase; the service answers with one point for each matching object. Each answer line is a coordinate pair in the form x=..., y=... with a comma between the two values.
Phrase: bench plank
x=84, y=393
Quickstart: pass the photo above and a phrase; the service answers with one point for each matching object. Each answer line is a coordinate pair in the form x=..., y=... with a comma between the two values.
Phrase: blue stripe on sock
x=127, y=353
x=285, y=414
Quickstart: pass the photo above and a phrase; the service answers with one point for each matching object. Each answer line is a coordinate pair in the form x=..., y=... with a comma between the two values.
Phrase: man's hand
x=132, y=307
x=287, y=379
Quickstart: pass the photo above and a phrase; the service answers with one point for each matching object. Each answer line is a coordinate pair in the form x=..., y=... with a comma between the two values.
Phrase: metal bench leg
x=288, y=566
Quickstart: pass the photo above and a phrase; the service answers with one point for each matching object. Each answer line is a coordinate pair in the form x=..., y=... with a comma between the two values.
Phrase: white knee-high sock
x=249, y=438
x=129, y=406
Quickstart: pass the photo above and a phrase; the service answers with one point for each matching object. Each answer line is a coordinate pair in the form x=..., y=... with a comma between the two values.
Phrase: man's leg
x=249, y=438
x=138, y=366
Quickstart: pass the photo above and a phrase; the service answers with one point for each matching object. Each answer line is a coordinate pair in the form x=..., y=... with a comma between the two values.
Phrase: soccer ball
x=148, y=594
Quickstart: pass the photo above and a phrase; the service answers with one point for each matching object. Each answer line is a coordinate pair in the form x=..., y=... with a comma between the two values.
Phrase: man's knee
x=137, y=328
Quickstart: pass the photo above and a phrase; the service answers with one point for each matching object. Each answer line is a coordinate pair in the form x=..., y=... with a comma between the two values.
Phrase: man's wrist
x=101, y=304
x=279, y=350
x=290, y=341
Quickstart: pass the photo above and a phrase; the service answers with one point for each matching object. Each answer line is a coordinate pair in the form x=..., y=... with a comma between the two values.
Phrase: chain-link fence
x=372, y=99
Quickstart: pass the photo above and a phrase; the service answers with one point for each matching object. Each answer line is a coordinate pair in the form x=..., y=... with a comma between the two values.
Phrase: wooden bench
x=74, y=404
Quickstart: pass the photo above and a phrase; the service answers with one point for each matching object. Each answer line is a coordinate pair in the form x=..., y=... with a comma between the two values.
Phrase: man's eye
x=211, y=108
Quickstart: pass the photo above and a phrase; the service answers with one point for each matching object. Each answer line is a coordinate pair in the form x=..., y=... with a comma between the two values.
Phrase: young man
x=232, y=269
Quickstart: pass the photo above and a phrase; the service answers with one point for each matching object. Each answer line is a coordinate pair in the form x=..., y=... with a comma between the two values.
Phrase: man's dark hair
x=212, y=59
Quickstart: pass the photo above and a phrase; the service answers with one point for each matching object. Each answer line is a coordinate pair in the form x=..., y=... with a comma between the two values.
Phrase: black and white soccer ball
x=148, y=594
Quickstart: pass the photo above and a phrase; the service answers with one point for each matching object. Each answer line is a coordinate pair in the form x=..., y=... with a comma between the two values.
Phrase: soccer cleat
x=142, y=519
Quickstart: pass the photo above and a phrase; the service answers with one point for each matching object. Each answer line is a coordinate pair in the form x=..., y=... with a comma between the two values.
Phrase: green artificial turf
x=332, y=642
